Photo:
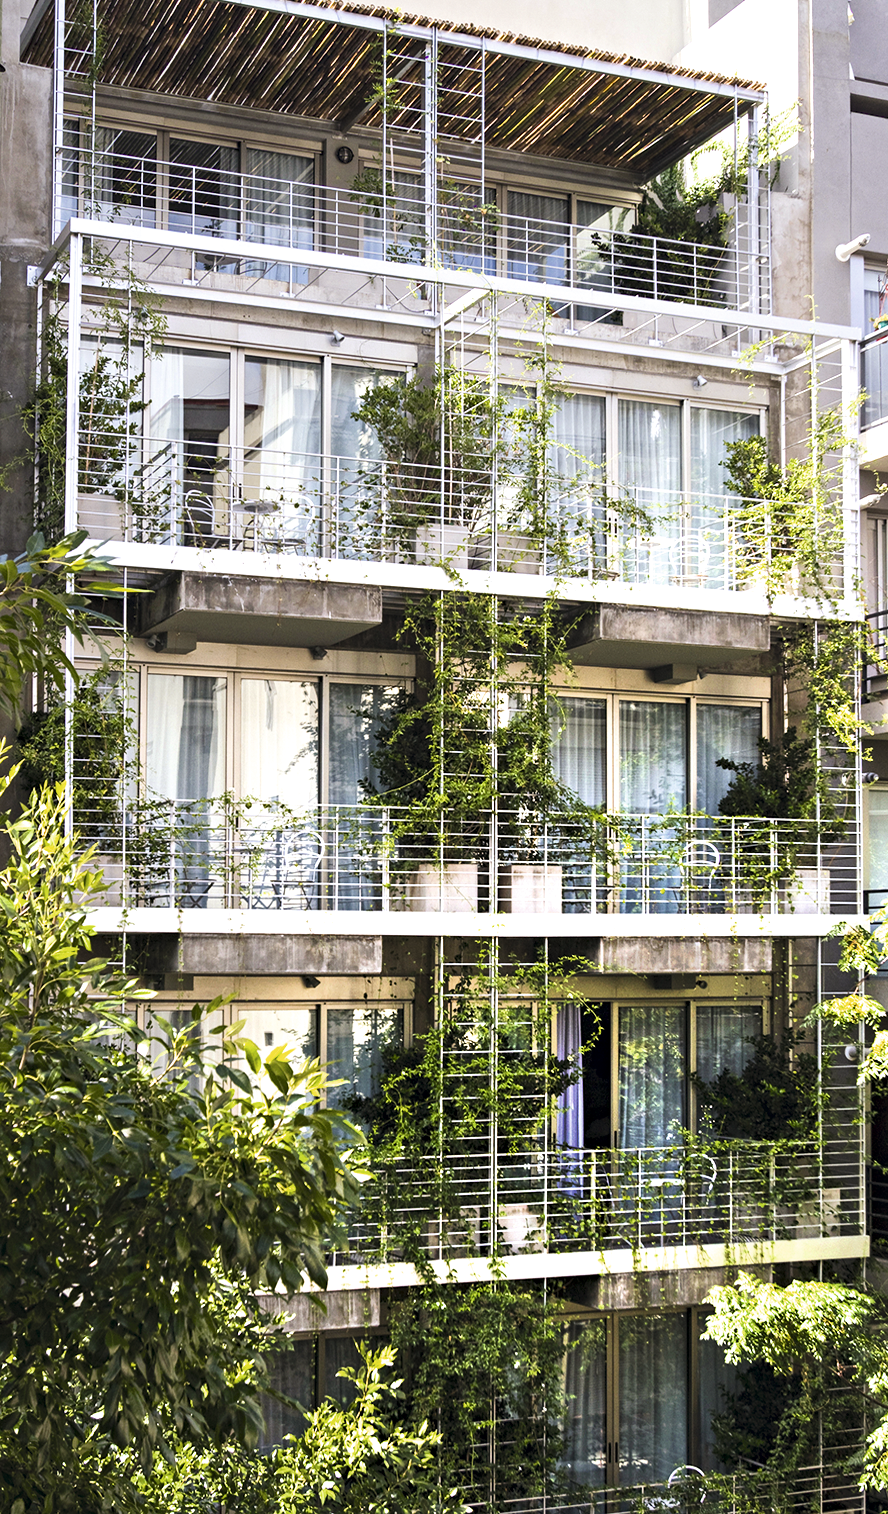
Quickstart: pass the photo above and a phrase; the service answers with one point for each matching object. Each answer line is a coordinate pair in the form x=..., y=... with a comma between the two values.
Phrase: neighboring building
x=317, y=204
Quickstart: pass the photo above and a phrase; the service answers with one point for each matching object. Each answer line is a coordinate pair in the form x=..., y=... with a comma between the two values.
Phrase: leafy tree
x=147, y=1191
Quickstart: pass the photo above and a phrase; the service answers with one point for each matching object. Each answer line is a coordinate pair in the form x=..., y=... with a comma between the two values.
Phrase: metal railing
x=310, y=504
x=206, y=854
x=377, y=222
x=875, y=677
x=563, y=1200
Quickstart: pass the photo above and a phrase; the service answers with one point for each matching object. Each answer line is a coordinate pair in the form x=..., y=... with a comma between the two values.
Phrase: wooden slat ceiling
x=307, y=66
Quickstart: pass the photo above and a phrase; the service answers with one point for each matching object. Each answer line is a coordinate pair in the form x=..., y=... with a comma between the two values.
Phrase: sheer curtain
x=579, y=745
x=185, y=749
x=282, y=445
x=569, y=1117
x=650, y=471
x=358, y=487
x=711, y=504
x=652, y=1062
x=538, y=237
x=355, y=713
x=279, y=742
x=356, y=1036
x=723, y=730
x=577, y=456
x=585, y=1404
x=653, y=1396
x=723, y=1035
x=404, y=233
x=653, y=756
x=279, y=202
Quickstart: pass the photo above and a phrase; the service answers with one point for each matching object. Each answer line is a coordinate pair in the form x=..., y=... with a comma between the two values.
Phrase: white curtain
x=351, y=438
x=579, y=742
x=279, y=198
x=585, y=1404
x=723, y=730
x=650, y=473
x=653, y=1396
x=279, y=741
x=282, y=443
x=185, y=751
x=403, y=232
x=711, y=505
x=538, y=237
x=653, y=756
x=723, y=1035
x=569, y=1117
x=652, y=1063
x=356, y=711
x=877, y=853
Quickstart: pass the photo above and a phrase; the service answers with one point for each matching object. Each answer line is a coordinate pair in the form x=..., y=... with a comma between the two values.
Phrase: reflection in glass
x=712, y=508
x=723, y=1035
x=650, y=473
x=538, y=237
x=279, y=741
x=356, y=1035
x=653, y=756
x=652, y=1066
x=282, y=471
x=190, y=466
x=204, y=191
x=185, y=753
x=279, y=205
x=723, y=730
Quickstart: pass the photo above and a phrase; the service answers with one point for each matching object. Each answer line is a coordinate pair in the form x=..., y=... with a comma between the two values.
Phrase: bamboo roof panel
x=309, y=66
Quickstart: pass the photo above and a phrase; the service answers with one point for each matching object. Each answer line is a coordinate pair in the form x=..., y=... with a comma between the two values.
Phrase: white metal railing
x=376, y=222
x=200, y=493
x=874, y=379
x=562, y=1200
x=204, y=854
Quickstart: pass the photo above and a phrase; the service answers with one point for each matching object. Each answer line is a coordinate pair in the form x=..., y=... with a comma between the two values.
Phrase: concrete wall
x=869, y=40
x=869, y=163
x=25, y=151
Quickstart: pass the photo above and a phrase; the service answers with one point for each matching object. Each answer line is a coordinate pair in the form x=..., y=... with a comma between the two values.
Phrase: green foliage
x=102, y=734
x=369, y=1458
x=784, y=784
x=37, y=603
x=864, y=949
x=165, y=1187
x=747, y=1428
x=775, y=1098
x=484, y=1365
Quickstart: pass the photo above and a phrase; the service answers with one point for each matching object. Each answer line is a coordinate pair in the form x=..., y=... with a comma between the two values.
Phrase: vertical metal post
x=752, y=196
x=58, y=116
x=430, y=146
x=75, y=276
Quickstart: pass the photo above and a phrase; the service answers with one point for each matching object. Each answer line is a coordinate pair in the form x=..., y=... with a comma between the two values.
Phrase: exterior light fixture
x=845, y=250
x=337, y=338
x=699, y=382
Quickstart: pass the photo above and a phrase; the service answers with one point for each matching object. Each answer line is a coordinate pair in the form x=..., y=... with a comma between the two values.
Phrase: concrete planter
x=520, y=1228
x=451, y=889
x=531, y=888
x=808, y=892
x=101, y=515
x=516, y=553
x=435, y=544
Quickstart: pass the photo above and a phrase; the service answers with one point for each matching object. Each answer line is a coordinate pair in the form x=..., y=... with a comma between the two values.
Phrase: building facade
x=481, y=534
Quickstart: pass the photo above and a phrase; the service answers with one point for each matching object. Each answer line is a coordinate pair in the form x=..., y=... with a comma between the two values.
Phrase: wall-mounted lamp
x=337, y=338
x=846, y=250
x=699, y=382
x=317, y=653
x=309, y=980
x=852, y=1052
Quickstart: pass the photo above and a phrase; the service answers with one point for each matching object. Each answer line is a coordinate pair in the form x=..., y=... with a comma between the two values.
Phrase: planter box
x=808, y=892
x=435, y=544
x=531, y=888
x=101, y=515
x=452, y=889
x=455, y=1236
x=516, y=553
x=520, y=1228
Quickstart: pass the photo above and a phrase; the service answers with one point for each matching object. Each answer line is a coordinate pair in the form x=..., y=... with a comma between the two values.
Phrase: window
x=641, y=1391
x=636, y=1090
x=348, y=1038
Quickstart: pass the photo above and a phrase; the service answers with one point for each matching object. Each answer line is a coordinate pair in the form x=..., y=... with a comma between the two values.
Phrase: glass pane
x=185, y=752
x=652, y=1062
x=653, y=756
x=585, y=1398
x=467, y=236
x=579, y=732
x=712, y=539
x=711, y=430
x=282, y=446
x=279, y=742
x=340, y=1351
x=717, y=1379
x=291, y=1025
x=723, y=730
x=125, y=176
x=356, y=1035
x=394, y=221
x=204, y=188
x=877, y=849
x=538, y=238
x=279, y=198
x=650, y=449
x=292, y=1373
x=653, y=1397
x=723, y=1035
x=356, y=712
x=351, y=438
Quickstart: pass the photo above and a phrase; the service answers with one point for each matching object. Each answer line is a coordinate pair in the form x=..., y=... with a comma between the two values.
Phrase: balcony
x=874, y=412
x=466, y=872
x=754, y=1197
x=163, y=495
x=459, y=227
